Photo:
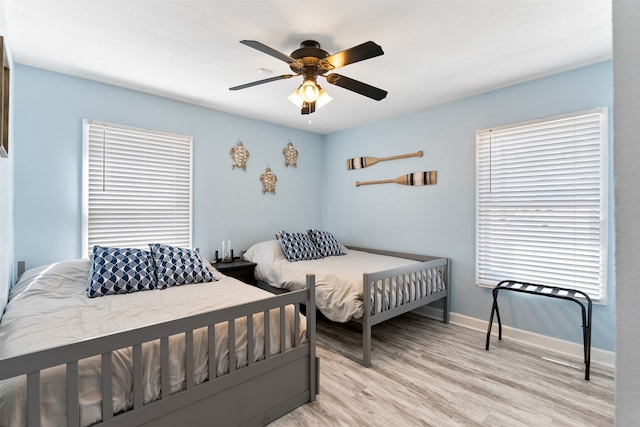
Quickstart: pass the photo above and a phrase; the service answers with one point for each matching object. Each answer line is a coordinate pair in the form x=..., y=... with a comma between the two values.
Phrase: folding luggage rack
x=576, y=296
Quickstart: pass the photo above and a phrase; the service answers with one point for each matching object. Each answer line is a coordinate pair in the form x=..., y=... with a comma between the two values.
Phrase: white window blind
x=541, y=213
x=137, y=187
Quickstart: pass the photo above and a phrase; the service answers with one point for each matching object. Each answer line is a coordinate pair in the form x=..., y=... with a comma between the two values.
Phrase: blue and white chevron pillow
x=178, y=266
x=298, y=246
x=325, y=242
x=120, y=271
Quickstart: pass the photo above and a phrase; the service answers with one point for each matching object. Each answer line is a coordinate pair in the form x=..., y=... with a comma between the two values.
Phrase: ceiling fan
x=310, y=61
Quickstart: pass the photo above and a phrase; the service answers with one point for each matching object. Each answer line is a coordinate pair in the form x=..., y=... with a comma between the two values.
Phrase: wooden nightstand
x=239, y=269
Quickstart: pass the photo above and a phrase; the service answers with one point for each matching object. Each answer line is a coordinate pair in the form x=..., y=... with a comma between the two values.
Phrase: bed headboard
x=21, y=269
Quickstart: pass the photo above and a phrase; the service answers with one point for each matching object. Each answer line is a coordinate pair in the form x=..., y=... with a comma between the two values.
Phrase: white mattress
x=339, y=284
x=49, y=307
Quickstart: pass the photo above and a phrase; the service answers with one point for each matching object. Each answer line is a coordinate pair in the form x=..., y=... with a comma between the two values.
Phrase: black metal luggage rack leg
x=552, y=292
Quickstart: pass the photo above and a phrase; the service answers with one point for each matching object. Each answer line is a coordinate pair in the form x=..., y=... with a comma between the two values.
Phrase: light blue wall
x=6, y=192
x=440, y=219
x=228, y=204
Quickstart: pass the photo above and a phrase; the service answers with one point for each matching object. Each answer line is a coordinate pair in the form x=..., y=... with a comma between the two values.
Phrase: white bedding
x=49, y=307
x=338, y=278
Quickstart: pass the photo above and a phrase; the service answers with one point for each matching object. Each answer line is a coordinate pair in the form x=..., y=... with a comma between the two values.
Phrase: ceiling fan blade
x=268, y=50
x=357, y=86
x=357, y=53
x=259, y=82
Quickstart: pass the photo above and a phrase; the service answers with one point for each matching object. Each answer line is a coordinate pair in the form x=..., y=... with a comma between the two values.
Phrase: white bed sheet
x=49, y=307
x=338, y=278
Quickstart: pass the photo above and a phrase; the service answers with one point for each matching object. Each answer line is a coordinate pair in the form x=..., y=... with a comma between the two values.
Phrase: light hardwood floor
x=427, y=373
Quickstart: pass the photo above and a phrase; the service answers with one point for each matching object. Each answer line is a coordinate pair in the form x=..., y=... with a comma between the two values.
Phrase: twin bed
x=394, y=282
x=213, y=353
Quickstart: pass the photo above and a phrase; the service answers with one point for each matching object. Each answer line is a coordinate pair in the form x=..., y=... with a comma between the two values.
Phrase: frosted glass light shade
x=323, y=98
x=296, y=99
x=309, y=90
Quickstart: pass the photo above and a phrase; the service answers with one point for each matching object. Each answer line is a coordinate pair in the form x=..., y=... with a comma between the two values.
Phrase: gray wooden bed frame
x=252, y=395
x=429, y=266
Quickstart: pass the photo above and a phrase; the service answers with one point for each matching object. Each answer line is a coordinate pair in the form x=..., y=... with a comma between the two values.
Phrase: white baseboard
x=568, y=349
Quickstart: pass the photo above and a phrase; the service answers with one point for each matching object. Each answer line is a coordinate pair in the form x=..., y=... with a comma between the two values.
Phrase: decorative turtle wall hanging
x=239, y=154
x=290, y=155
x=268, y=179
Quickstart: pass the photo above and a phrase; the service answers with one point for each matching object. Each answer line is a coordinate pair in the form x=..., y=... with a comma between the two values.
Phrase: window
x=137, y=187
x=541, y=213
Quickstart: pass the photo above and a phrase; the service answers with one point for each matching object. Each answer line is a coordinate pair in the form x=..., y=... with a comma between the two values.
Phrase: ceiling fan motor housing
x=309, y=54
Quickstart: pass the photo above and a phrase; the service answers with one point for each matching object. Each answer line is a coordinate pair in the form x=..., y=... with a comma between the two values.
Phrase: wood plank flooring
x=426, y=373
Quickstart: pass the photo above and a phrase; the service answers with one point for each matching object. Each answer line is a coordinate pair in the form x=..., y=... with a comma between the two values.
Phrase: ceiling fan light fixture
x=308, y=108
x=296, y=99
x=309, y=90
x=323, y=98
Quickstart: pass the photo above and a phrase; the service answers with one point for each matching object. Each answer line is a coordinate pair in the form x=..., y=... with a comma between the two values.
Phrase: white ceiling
x=435, y=50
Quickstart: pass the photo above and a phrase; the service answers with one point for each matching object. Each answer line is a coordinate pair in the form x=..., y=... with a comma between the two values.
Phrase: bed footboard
x=275, y=385
x=397, y=291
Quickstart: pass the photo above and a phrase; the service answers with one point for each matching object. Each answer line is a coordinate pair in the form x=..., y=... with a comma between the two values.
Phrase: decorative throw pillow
x=325, y=242
x=178, y=266
x=298, y=246
x=120, y=271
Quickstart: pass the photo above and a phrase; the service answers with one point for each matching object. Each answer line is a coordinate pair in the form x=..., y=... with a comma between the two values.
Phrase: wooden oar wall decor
x=365, y=162
x=415, y=178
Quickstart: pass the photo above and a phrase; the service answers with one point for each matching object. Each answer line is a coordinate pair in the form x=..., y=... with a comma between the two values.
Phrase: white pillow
x=59, y=280
x=210, y=267
x=267, y=255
